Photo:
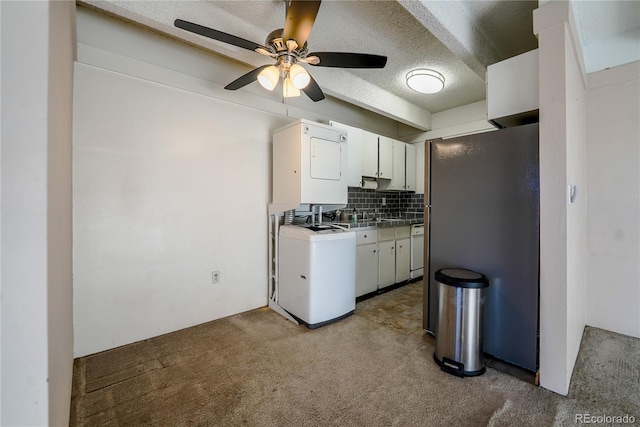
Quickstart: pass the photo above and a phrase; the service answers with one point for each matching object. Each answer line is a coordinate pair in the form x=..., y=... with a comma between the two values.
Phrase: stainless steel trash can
x=460, y=321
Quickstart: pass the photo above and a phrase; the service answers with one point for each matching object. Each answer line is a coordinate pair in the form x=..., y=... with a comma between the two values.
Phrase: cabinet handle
x=391, y=247
x=374, y=251
x=365, y=236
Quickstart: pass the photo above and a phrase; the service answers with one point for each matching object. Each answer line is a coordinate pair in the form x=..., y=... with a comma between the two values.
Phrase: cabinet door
x=366, y=269
x=398, y=181
x=410, y=167
x=385, y=157
x=369, y=154
x=354, y=153
x=387, y=262
x=403, y=260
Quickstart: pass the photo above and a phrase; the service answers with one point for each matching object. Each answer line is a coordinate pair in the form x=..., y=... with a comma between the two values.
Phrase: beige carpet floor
x=374, y=368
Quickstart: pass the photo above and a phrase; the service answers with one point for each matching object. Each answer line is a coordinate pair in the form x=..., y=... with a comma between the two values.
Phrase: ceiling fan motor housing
x=278, y=45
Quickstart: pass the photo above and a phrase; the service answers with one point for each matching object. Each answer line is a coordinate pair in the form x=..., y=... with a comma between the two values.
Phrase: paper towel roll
x=369, y=184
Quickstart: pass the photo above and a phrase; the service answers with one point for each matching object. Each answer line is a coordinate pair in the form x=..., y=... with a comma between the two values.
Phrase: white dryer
x=316, y=273
x=309, y=164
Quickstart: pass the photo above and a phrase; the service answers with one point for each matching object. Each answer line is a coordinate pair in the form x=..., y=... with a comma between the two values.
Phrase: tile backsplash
x=397, y=204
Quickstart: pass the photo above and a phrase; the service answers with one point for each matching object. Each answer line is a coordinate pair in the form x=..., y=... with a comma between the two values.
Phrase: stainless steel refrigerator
x=483, y=215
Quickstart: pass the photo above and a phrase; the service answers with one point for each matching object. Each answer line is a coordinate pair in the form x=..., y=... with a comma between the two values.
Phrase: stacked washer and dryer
x=312, y=266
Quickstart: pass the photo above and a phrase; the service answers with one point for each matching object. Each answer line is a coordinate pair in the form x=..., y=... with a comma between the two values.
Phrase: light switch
x=572, y=193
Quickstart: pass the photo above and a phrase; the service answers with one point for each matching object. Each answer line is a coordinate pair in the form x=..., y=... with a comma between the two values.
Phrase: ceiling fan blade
x=313, y=60
x=242, y=81
x=217, y=35
x=349, y=60
x=313, y=91
x=301, y=14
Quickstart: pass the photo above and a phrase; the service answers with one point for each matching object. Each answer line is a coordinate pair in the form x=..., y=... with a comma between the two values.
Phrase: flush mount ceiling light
x=424, y=80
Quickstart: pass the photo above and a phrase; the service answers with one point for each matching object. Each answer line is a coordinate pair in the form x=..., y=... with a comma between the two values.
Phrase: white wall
x=118, y=46
x=613, y=135
x=460, y=121
x=172, y=177
x=618, y=49
x=576, y=172
x=563, y=226
x=37, y=340
x=168, y=187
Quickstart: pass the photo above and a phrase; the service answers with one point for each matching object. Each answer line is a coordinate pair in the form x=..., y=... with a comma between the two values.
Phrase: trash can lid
x=461, y=278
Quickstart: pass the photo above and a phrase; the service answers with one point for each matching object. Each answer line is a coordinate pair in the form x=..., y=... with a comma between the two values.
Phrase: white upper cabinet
x=392, y=162
x=410, y=167
x=420, y=166
x=512, y=90
x=369, y=154
x=404, y=167
x=385, y=157
x=354, y=151
x=398, y=181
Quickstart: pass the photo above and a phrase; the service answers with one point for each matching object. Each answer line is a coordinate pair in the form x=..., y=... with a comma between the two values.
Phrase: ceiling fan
x=288, y=46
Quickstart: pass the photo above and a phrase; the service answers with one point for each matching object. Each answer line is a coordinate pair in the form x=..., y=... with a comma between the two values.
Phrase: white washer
x=317, y=273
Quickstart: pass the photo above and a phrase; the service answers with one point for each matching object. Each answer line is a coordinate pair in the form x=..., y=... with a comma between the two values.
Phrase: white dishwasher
x=316, y=273
x=417, y=250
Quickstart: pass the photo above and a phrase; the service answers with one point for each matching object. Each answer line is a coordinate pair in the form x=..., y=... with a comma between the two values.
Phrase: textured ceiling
x=457, y=38
x=605, y=19
x=508, y=24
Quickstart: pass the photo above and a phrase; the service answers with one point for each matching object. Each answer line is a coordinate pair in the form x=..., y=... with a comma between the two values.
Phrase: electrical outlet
x=215, y=277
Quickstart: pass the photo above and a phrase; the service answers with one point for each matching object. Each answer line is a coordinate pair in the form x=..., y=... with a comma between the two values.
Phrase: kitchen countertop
x=379, y=223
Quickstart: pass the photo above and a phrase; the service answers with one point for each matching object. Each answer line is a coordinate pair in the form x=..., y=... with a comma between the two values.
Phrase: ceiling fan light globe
x=268, y=78
x=299, y=76
x=425, y=81
x=288, y=89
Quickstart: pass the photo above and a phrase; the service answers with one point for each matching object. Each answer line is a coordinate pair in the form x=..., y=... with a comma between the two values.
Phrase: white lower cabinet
x=387, y=263
x=383, y=258
x=366, y=262
x=403, y=260
x=387, y=260
x=403, y=253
